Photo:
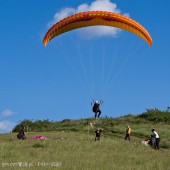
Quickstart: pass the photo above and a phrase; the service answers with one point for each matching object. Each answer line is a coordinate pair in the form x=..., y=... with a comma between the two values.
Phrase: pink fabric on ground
x=37, y=137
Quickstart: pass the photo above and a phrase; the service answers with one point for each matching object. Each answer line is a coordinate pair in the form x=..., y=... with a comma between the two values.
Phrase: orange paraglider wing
x=94, y=18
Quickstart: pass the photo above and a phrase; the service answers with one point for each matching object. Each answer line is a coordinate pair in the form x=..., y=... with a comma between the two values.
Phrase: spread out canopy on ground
x=94, y=18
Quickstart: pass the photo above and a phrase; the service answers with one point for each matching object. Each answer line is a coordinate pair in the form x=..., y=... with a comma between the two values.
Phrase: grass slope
x=72, y=147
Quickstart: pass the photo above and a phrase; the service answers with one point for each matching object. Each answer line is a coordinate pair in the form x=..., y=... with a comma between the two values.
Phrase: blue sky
x=60, y=80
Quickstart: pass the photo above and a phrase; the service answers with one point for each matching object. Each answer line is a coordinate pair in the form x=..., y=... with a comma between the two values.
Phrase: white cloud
x=7, y=112
x=62, y=14
x=6, y=126
x=103, y=5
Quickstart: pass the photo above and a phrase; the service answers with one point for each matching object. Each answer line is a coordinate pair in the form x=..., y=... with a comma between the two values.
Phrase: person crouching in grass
x=21, y=134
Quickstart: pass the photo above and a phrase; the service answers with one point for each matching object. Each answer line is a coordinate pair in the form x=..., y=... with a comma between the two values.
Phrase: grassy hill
x=70, y=145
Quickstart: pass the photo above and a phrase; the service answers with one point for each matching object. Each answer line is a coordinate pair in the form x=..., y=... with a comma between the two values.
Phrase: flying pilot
x=96, y=108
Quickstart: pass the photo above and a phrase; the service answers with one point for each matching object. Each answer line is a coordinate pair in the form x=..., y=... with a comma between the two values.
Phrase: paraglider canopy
x=94, y=18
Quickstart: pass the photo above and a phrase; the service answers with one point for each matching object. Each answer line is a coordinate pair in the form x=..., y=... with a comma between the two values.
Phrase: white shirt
x=155, y=134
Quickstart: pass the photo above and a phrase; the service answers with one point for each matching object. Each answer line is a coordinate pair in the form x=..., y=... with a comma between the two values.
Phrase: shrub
x=156, y=115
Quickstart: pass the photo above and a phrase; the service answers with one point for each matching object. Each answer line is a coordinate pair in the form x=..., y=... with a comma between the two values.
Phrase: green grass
x=69, y=150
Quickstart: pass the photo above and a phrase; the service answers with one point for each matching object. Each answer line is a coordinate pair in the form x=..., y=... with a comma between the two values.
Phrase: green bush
x=156, y=115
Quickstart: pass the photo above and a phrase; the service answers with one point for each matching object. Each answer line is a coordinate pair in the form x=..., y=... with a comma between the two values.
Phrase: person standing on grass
x=128, y=133
x=156, y=137
x=98, y=132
